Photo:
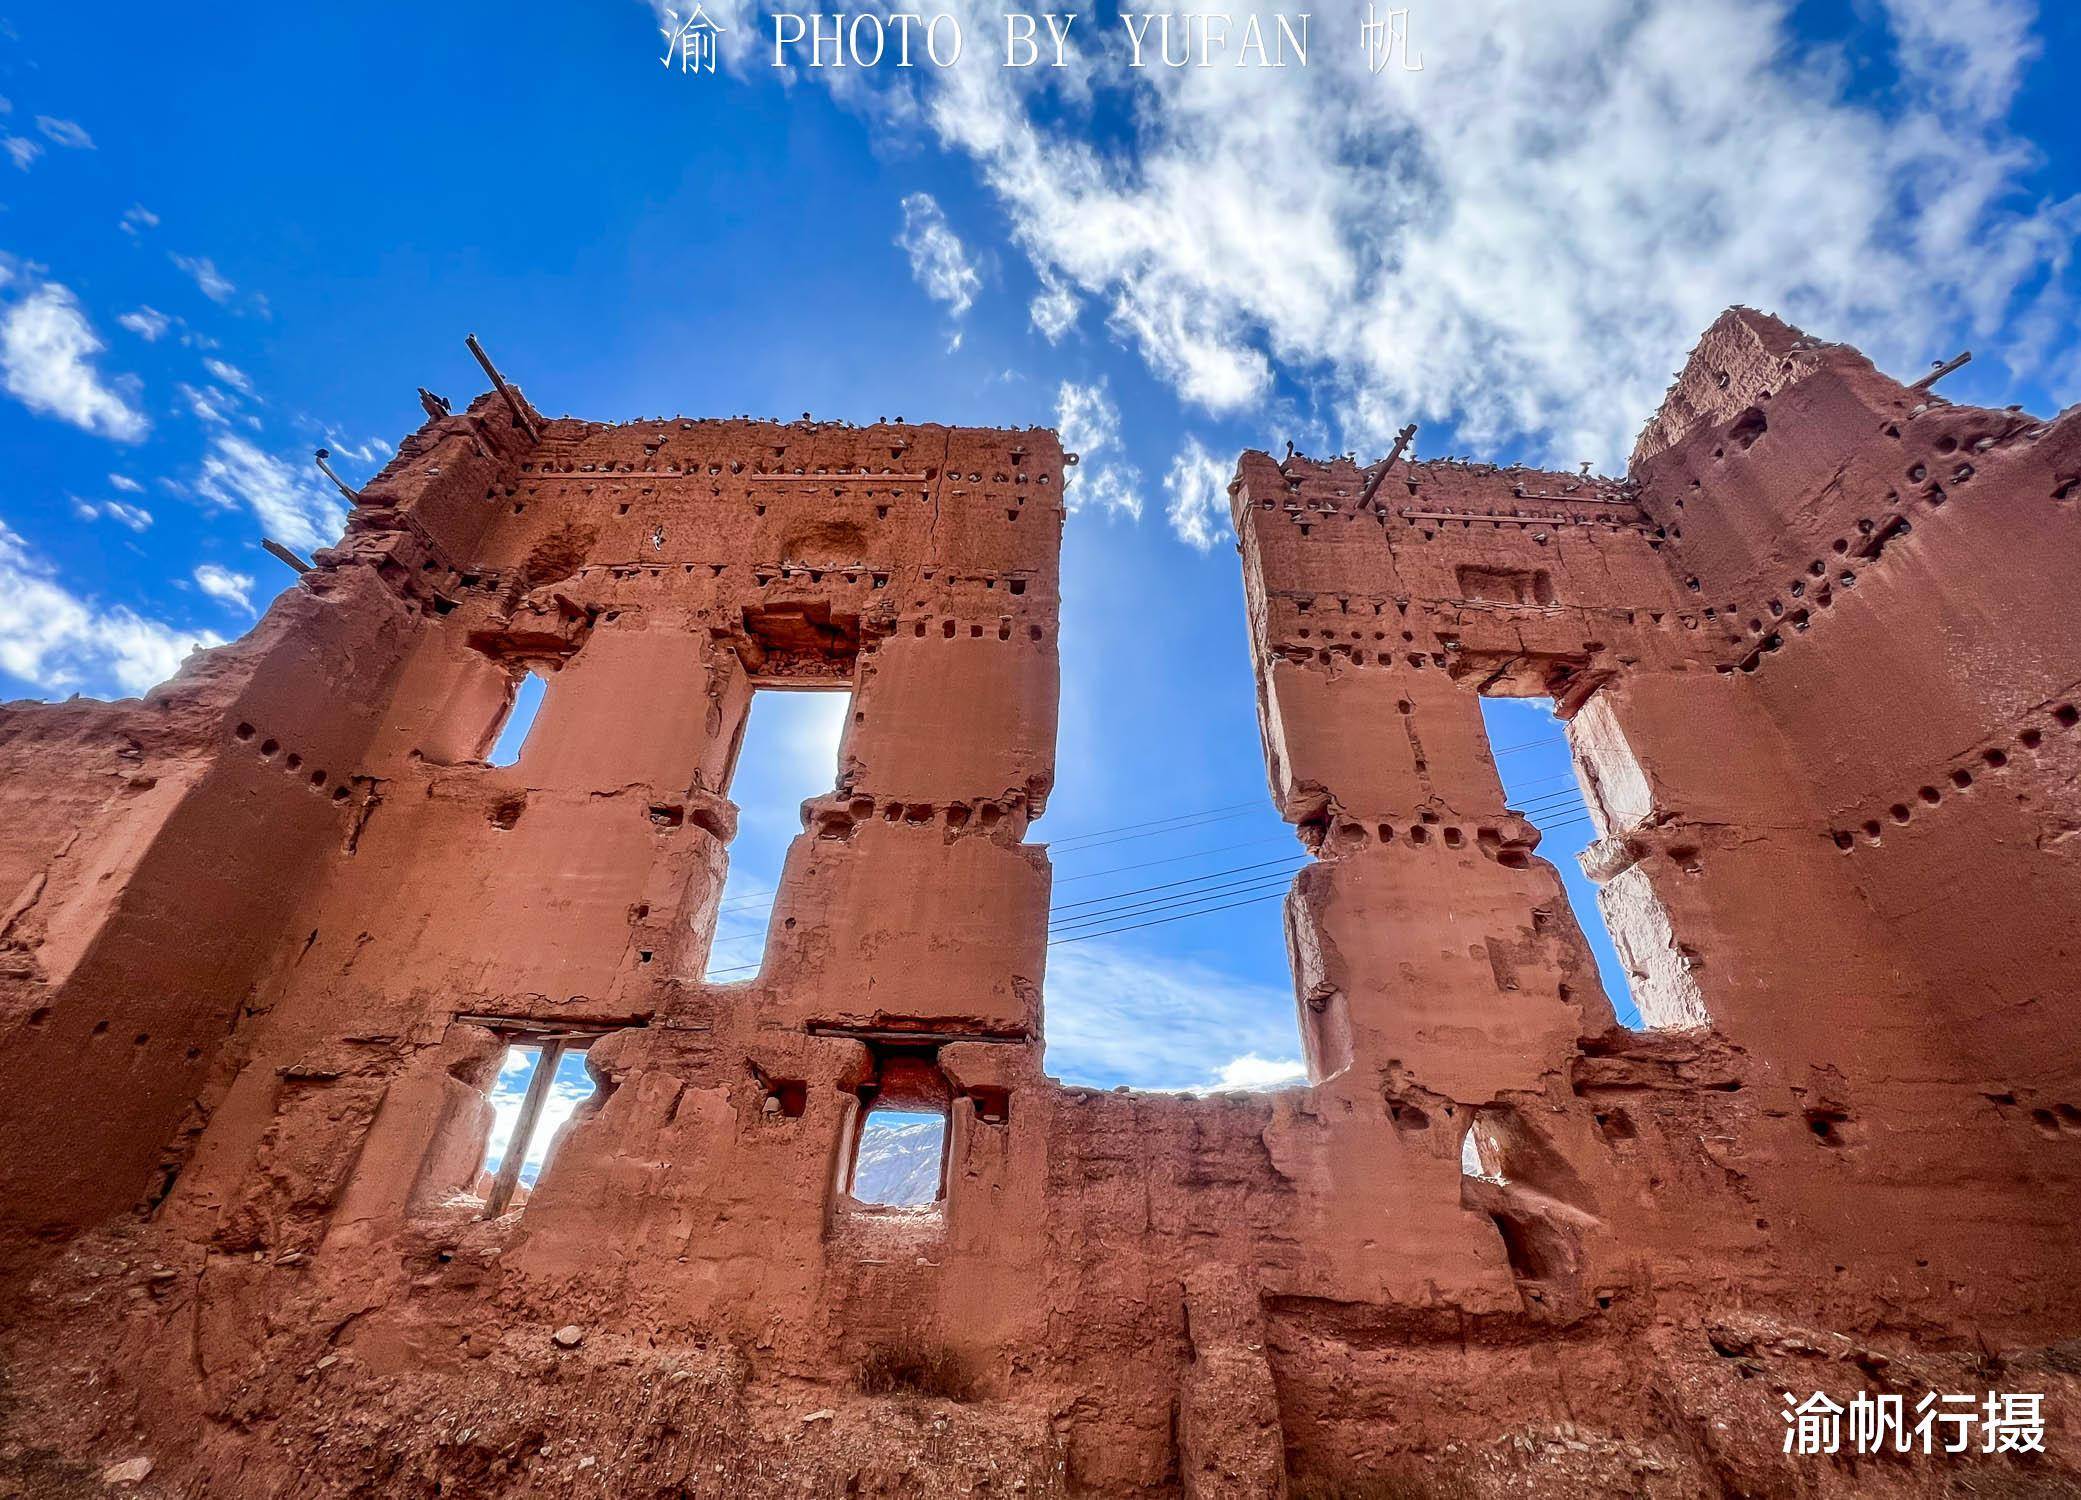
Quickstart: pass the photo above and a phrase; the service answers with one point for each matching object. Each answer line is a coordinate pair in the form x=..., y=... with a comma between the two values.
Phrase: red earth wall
x=278, y=921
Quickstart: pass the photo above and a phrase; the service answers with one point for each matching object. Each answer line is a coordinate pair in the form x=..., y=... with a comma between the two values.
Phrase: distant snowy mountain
x=899, y=1160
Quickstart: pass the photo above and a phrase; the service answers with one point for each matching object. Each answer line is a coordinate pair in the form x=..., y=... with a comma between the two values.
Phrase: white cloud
x=66, y=133
x=1253, y=1072
x=1088, y=423
x=1969, y=53
x=292, y=507
x=1198, y=489
x=21, y=149
x=1054, y=308
x=59, y=642
x=148, y=323
x=136, y=517
x=226, y=586
x=204, y=271
x=47, y=348
x=230, y=374
x=207, y=403
x=137, y=217
x=373, y=451
x=1116, y=1016
x=1522, y=239
x=126, y=484
x=937, y=258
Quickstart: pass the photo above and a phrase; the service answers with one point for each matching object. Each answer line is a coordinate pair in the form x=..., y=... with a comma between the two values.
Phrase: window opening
x=520, y=719
x=1530, y=745
x=1167, y=955
x=540, y=1084
x=901, y=1159
x=787, y=752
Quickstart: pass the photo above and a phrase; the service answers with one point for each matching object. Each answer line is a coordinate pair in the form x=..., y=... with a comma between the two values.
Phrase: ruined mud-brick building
x=269, y=931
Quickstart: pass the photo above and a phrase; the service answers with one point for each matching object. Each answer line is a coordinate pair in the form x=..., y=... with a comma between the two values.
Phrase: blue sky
x=224, y=242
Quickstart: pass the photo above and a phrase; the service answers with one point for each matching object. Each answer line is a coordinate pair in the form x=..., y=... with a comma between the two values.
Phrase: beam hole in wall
x=529, y=1108
x=520, y=719
x=788, y=752
x=1540, y=780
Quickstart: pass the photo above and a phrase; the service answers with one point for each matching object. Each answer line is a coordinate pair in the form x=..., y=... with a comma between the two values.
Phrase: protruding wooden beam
x=498, y=381
x=353, y=496
x=1373, y=485
x=276, y=550
x=436, y=406
x=1941, y=371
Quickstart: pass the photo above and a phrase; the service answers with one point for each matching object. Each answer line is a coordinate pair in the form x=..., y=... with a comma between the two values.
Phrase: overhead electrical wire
x=1189, y=896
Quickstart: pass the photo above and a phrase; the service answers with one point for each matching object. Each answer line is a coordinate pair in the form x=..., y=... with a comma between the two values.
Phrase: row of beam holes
x=1429, y=526
x=798, y=472
x=1305, y=604
x=1626, y=616
x=1994, y=758
x=1875, y=540
x=1416, y=660
x=948, y=629
x=956, y=816
x=1488, y=841
x=292, y=762
x=765, y=579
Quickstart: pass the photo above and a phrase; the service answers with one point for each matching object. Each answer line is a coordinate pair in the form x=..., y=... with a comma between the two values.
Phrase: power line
x=1166, y=903
x=1181, y=827
x=1175, y=859
x=1166, y=885
x=1161, y=921
x=1078, y=838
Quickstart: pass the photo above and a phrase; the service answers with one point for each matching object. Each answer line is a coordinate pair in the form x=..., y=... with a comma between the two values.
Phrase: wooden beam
x=530, y=1115
x=1373, y=485
x=498, y=381
x=1941, y=371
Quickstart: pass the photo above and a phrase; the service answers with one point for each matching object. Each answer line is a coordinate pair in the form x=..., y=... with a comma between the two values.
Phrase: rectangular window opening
x=520, y=719
x=1168, y=960
x=1530, y=745
x=541, y=1082
x=787, y=751
x=900, y=1161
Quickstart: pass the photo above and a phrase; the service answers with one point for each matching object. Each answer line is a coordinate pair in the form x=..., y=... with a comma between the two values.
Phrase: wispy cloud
x=136, y=517
x=1517, y=243
x=1198, y=488
x=225, y=586
x=20, y=149
x=230, y=374
x=1970, y=54
x=214, y=284
x=207, y=403
x=58, y=641
x=1054, y=308
x=291, y=506
x=148, y=323
x=126, y=484
x=47, y=350
x=137, y=218
x=1089, y=425
x=937, y=258
x=373, y=451
x=66, y=133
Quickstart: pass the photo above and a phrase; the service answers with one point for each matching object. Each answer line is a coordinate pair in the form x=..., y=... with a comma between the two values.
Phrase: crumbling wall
x=1497, y=1244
